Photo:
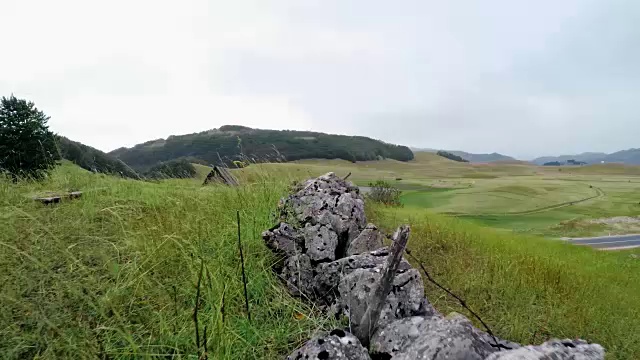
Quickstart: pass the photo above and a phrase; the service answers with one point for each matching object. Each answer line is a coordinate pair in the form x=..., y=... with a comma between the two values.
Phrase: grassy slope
x=528, y=289
x=114, y=273
x=488, y=193
x=97, y=275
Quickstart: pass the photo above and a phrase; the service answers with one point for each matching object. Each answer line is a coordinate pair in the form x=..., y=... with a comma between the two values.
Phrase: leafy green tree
x=27, y=147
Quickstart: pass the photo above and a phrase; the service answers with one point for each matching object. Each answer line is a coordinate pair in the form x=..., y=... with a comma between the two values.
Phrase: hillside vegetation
x=92, y=159
x=229, y=143
x=176, y=169
x=114, y=274
x=528, y=289
x=451, y=156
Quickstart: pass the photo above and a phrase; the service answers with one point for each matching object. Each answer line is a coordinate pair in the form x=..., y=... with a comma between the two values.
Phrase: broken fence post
x=370, y=318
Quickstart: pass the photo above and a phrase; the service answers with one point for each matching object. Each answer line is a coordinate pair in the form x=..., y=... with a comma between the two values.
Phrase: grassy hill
x=92, y=159
x=482, y=158
x=527, y=288
x=514, y=196
x=115, y=273
x=229, y=143
x=471, y=157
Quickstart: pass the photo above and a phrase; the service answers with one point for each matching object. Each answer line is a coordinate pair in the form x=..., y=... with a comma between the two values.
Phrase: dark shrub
x=383, y=192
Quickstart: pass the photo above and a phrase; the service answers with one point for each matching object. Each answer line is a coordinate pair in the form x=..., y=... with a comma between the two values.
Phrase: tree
x=27, y=147
x=451, y=156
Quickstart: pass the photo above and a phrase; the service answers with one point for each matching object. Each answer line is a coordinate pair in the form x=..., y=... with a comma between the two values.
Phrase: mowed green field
x=550, y=201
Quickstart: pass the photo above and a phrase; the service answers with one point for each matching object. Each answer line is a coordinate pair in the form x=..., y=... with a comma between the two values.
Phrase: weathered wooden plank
x=372, y=314
x=54, y=199
x=221, y=174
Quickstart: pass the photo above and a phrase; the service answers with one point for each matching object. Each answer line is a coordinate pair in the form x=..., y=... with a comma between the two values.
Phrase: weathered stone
x=345, y=227
x=432, y=338
x=369, y=239
x=284, y=239
x=298, y=275
x=327, y=192
x=554, y=349
x=320, y=242
x=405, y=299
x=352, y=207
x=495, y=341
x=331, y=218
x=329, y=274
x=337, y=345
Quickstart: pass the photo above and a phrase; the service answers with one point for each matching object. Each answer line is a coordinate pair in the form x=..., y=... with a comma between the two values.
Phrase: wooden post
x=367, y=325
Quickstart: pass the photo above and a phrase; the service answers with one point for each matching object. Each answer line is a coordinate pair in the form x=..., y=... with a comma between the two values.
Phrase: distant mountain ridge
x=233, y=142
x=629, y=157
x=471, y=157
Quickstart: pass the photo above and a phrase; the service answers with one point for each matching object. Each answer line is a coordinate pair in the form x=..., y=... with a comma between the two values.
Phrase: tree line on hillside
x=93, y=159
x=568, y=162
x=237, y=143
x=97, y=161
x=451, y=156
x=29, y=150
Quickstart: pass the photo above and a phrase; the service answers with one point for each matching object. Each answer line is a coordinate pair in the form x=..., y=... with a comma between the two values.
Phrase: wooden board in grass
x=54, y=199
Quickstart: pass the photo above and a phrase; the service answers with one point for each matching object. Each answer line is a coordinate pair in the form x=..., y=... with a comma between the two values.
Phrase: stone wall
x=335, y=259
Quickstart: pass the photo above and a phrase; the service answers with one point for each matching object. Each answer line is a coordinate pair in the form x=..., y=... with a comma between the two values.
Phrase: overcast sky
x=524, y=78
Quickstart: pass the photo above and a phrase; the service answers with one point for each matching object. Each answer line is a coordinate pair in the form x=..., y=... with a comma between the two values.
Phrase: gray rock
x=298, y=275
x=495, y=341
x=327, y=192
x=329, y=274
x=320, y=242
x=554, y=349
x=369, y=239
x=352, y=208
x=284, y=239
x=344, y=226
x=405, y=299
x=432, y=338
x=338, y=344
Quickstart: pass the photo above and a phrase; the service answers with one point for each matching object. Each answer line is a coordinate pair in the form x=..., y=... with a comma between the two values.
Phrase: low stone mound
x=334, y=258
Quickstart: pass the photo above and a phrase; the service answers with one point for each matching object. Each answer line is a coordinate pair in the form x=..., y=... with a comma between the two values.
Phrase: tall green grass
x=114, y=274
x=528, y=289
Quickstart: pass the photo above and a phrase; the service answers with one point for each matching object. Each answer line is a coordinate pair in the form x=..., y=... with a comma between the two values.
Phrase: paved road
x=609, y=242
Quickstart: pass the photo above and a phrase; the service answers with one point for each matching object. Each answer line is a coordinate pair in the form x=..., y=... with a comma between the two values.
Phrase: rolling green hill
x=471, y=157
x=93, y=159
x=229, y=143
x=482, y=158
